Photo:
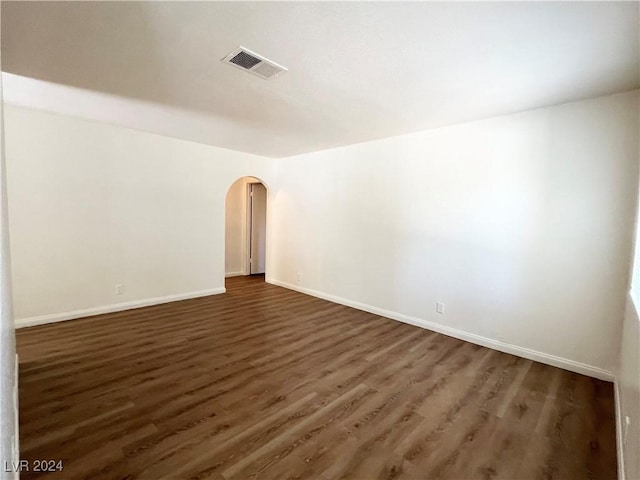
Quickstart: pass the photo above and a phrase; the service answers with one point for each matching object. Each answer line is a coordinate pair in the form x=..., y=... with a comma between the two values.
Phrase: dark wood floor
x=263, y=382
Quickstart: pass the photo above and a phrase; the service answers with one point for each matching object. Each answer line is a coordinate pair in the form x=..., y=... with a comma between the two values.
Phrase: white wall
x=92, y=206
x=521, y=225
x=628, y=380
x=629, y=390
x=8, y=386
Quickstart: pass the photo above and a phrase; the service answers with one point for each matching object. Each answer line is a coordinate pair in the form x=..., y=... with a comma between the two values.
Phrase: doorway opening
x=246, y=229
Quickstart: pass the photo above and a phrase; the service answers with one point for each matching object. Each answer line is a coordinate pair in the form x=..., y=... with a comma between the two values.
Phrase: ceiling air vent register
x=251, y=62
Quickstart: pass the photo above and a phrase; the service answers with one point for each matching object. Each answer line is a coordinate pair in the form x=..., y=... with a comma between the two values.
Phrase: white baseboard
x=233, y=274
x=118, y=307
x=527, y=353
x=619, y=430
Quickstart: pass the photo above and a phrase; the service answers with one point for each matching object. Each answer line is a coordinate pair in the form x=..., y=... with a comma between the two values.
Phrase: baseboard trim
x=118, y=307
x=233, y=274
x=527, y=353
x=619, y=430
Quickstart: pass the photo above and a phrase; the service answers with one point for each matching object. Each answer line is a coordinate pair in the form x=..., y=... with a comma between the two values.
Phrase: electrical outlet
x=119, y=289
x=299, y=277
x=439, y=307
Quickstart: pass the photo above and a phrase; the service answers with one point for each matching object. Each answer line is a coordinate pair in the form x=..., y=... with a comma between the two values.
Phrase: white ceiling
x=357, y=71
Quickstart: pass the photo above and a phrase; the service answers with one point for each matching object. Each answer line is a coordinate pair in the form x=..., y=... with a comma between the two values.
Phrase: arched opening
x=246, y=229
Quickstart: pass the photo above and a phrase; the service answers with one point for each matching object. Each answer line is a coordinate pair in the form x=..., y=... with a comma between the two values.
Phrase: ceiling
x=358, y=71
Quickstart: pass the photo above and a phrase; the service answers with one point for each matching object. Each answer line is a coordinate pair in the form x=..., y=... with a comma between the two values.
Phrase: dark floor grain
x=263, y=382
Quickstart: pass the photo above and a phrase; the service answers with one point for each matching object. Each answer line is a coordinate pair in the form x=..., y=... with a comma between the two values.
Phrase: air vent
x=251, y=62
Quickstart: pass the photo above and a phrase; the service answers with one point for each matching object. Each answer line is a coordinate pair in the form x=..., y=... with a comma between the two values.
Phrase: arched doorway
x=245, y=228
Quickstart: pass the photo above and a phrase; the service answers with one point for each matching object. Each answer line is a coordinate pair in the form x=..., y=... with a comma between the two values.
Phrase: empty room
x=319, y=240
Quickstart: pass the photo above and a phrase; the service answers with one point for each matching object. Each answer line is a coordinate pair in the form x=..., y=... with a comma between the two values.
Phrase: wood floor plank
x=263, y=382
